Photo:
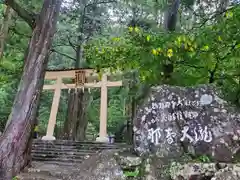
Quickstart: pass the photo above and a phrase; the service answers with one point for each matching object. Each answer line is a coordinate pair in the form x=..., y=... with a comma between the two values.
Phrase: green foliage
x=15, y=178
x=11, y=64
x=204, y=159
x=131, y=173
x=205, y=55
x=171, y=169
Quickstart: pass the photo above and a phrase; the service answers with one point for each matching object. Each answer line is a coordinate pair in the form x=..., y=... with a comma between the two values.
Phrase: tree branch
x=56, y=51
x=71, y=43
x=212, y=17
x=101, y=2
x=61, y=45
x=27, y=16
x=212, y=72
x=192, y=65
x=14, y=30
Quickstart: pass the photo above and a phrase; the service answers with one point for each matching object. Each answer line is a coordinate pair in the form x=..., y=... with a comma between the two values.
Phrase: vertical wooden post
x=4, y=29
x=103, y=137
x=54, y=110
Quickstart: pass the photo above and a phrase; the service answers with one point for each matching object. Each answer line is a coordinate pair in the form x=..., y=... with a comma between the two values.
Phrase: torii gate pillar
x=103, y=137
x=54, y=110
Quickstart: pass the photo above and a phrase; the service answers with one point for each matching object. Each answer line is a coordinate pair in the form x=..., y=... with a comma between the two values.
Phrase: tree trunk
x=82, y=116
x=4, y=29
x=133, y=115
x=81, y=96
x=71, y=121
x=170, y=26
x=76, y=123
x=17, y=134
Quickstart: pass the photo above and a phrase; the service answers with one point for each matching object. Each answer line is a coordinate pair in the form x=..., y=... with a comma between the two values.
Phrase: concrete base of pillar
x=102, y=139
x=48, y=138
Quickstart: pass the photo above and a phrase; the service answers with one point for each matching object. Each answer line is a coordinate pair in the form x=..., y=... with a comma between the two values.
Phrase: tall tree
x=87, y=24
x=4, y=28
x=170, y=26
x=17, y=135
x=76, y=122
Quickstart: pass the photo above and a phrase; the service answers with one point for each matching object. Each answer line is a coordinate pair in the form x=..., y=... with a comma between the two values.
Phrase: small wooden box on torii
x=80, y=78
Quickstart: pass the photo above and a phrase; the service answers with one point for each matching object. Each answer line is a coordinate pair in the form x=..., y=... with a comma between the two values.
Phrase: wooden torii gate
x=84, y=78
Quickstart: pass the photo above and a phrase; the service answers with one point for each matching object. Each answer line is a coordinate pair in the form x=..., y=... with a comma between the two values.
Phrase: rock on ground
x=48, y=170
x=226, y=175
x=102, y=166
x=194, y=120
x=208, y=171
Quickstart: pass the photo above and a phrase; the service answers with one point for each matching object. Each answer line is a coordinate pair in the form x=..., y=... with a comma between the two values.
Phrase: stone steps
x=63, y=152
x=65, y=147
x=68, y=151
x=58, y=159
x=51, y=159
x=69, y=142
x=58, y=163
x=74, y=147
